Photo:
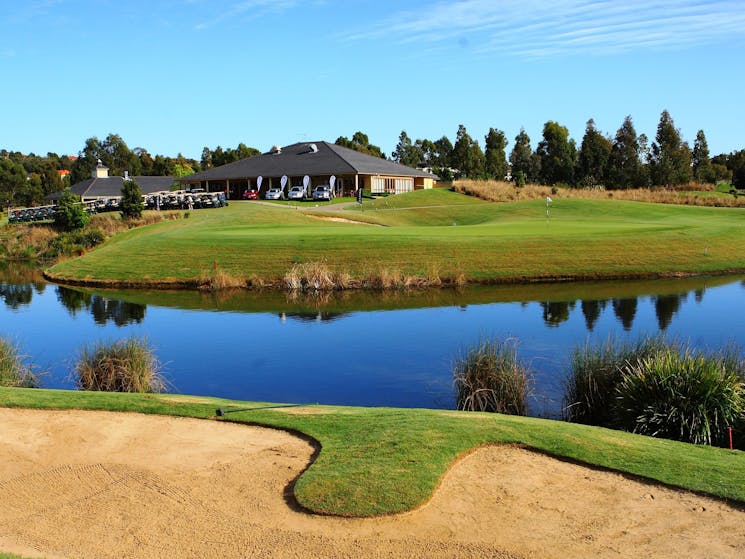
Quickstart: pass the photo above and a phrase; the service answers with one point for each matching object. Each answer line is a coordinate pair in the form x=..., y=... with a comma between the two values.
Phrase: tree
x=495, y=166
x=361, y=143
x=556, y=154
x=521, y=159
x=670, y=162
x=12, y=181
x=625, y=169
x=467, y=156
x=592, y=160
x=406, y=153
x=702, y=168
x=736, y=164
x=70, y=213
x=428, y=152
x=132, y=205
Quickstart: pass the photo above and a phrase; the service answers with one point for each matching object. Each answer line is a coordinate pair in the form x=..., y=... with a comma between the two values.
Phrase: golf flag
x=548, y=200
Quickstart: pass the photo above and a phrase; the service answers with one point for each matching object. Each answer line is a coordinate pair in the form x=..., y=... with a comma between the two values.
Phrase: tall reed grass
x=686, y=396
x=127, y=365
x=13, y=371
x=501, y=191
x=489, y=377
x=594, y=372
x=658, y=388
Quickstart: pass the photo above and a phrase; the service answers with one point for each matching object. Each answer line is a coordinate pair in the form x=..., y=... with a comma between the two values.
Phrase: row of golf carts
x=166, y=200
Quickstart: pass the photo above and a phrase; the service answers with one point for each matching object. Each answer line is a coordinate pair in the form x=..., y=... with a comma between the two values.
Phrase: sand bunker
x=94, y=484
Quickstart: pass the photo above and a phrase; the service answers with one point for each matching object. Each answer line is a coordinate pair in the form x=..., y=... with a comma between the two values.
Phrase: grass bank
x=375, y=461
x=436, y=235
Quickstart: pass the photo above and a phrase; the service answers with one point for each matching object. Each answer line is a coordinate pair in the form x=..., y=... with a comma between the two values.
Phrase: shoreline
x=254, y=284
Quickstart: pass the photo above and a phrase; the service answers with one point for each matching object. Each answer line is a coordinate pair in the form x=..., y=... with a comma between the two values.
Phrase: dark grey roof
x=112, y=186
x=299, y=159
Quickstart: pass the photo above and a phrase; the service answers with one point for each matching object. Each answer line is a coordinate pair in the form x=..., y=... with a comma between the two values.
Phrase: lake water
x=369, y=349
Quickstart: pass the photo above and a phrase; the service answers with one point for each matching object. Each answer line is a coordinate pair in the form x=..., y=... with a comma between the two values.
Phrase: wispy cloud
x=247, y=10
x=30, y=10
x=542, y=28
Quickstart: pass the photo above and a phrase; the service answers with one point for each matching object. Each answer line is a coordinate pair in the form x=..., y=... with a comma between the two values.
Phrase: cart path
x=100, y=484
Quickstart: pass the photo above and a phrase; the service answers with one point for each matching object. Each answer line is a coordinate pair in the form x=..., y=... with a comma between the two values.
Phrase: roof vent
x=313, y=148
x=275, y=150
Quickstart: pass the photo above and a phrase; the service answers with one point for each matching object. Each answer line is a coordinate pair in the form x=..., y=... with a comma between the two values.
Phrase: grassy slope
x=378, y=461
x=429, y=232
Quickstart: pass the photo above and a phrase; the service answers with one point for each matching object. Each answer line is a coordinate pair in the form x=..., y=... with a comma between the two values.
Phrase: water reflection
x=103, y=309
x=392, y=348
x=18, y=282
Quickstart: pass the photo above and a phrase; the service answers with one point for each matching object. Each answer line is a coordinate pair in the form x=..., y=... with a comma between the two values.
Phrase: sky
x=177, y=75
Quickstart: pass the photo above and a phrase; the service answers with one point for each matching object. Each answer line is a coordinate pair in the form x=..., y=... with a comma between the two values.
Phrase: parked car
x=323, y=192
x=252, y=194
x=274, y=194
x=296, y=193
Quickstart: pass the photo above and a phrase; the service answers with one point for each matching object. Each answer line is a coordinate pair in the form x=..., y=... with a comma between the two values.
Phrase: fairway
x=424, y=234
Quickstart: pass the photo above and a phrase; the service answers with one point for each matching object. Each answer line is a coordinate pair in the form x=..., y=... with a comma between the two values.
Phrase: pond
x=359, y=348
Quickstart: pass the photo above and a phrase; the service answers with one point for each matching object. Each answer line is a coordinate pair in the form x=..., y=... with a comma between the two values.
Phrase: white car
x=274, y=194
x=296, y=193
x=323, y=192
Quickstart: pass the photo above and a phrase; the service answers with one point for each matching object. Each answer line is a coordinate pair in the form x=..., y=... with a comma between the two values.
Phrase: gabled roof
x=300, y=159
x=112, y=186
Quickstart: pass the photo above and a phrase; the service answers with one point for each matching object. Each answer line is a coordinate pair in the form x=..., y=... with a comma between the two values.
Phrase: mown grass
x=438, y=230
x=375, y=461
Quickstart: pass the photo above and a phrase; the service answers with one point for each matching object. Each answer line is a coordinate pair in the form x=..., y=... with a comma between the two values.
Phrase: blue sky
x=177, y=75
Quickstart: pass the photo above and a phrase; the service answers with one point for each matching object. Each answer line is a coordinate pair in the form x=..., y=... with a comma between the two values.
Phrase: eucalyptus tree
x=496, y=159
x=671, y=158
x=557, y=154
x=406, y=153
x=593, y=157
x=522, y=160
x=625, y=168
x=467, y=156
x=702, y=168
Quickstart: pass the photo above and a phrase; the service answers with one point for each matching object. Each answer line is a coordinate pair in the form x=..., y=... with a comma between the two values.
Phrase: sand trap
x=94, y=484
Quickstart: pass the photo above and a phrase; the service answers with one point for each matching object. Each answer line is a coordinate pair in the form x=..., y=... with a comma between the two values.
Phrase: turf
x=425, y=233
x=375, y=461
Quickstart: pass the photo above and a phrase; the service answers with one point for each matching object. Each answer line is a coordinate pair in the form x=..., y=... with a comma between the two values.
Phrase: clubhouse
x=311, y=164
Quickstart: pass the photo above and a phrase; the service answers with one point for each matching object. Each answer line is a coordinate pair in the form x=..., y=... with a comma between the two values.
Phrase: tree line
x=624, y=160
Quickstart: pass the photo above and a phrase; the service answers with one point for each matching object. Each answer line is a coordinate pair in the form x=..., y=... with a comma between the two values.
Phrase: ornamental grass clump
x=489, y=377
x=13, y=371
x=127, y=365
x=594, y=373
x=685, y=396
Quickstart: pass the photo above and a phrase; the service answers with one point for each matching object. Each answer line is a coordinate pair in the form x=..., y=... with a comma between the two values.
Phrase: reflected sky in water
x=351, y=352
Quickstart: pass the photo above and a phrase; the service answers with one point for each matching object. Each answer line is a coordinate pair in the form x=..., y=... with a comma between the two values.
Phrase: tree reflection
x=15, y=295
x=320, y=316
x=665, y=306
x=556, y=312
x=591, y=310
x=625, y=311
x=73, y=300
x=120, y=313
x=103, y=309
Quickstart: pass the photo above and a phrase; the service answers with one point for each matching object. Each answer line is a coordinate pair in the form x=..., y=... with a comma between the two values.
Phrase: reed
x=687, y=396
x=489, y=377
x=594, y=373
x=127, y=365
x=13, y=371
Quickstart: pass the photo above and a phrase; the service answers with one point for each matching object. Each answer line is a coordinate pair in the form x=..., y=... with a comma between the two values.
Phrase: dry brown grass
x=500, y=191
x=21, y=242
x=310, y=276
x=218, y=278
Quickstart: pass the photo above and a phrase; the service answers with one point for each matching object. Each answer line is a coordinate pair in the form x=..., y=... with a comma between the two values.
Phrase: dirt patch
x=343, y=220
x=96, y=484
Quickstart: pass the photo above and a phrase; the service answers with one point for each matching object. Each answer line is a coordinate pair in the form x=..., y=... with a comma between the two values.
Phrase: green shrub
x=132, y=205
x=127, y=365
x=689, y=397
x=490, y=378
x=594, y=373
x=13, y=372
x=70, y=214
